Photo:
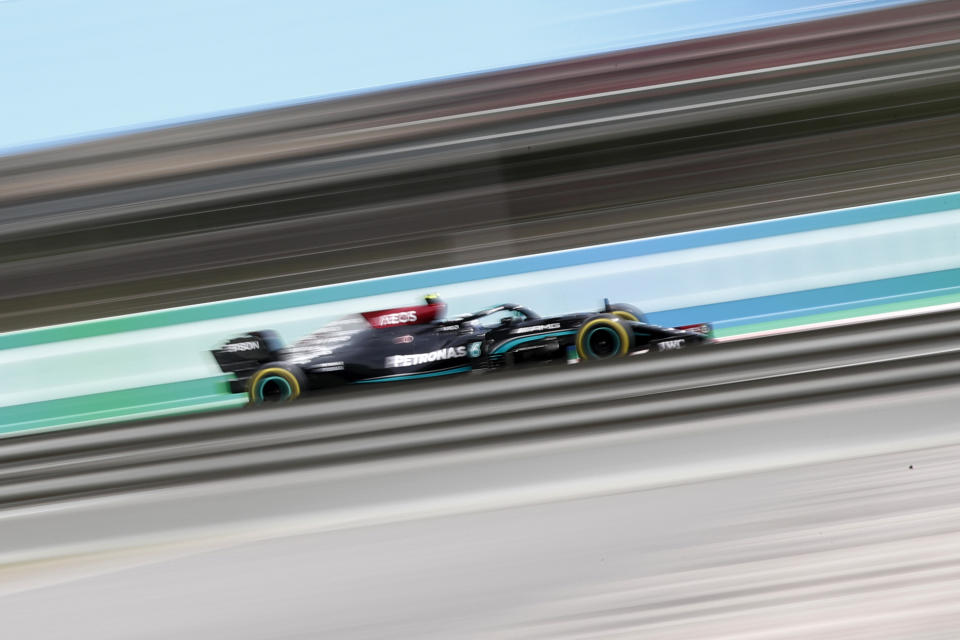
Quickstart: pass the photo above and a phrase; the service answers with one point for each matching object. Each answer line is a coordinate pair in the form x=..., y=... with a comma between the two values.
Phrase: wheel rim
x=274, y=389
x=603, y=342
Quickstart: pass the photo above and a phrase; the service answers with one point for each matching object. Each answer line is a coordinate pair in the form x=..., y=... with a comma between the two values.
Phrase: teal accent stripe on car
x=466, y=273
x=414, y=376
x=509, y=344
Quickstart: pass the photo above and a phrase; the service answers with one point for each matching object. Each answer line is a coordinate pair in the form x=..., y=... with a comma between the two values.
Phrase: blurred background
x=174, y=174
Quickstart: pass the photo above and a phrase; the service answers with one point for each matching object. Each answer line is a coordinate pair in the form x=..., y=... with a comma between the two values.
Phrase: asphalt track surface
x=834, y=519
x=814, y=496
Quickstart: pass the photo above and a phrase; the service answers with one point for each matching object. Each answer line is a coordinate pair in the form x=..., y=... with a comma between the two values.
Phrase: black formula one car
x=417, y=342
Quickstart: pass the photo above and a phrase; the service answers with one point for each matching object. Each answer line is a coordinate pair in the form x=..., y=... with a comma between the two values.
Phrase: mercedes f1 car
x=418, y=342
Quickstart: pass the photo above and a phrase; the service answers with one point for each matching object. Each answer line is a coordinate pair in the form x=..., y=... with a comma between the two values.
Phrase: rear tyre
x=603, y=337
x=627, y=312
x=274, y=383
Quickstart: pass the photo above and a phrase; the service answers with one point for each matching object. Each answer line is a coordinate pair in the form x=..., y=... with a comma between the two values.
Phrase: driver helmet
x=434, y=300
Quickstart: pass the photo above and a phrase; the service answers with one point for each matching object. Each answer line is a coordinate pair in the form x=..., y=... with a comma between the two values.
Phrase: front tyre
x=602, y=338
x=275, y=382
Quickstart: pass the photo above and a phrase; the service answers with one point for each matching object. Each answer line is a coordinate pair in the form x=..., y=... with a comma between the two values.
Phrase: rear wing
x=246, y=353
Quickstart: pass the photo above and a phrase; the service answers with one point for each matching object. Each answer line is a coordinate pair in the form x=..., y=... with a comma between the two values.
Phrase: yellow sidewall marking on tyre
x=274, y=371
x=626, y=315
x=616, y=326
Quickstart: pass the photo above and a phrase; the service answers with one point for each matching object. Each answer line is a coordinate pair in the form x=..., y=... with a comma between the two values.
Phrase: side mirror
x=505, y=321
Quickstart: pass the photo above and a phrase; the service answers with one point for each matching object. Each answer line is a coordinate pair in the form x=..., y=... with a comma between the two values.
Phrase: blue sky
x=76, y=69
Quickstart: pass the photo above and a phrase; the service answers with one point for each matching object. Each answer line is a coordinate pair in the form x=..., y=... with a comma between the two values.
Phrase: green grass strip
x=126, y=404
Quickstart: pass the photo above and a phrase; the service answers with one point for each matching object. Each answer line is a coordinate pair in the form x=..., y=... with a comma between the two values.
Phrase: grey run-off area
x=838, y=519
